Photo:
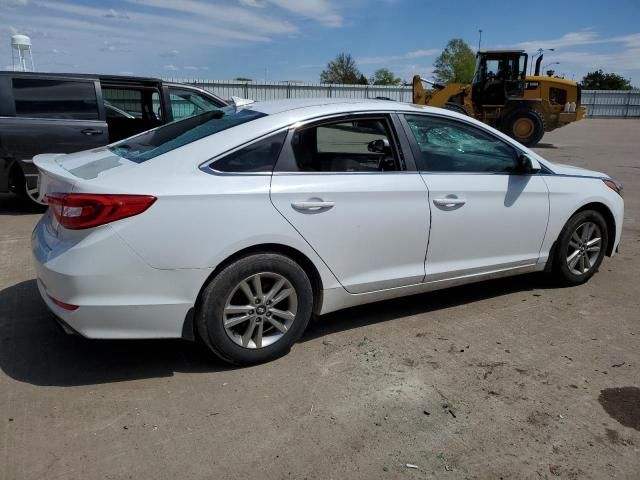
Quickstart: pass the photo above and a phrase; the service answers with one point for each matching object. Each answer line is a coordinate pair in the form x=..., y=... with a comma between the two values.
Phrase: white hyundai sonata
x=238, y=224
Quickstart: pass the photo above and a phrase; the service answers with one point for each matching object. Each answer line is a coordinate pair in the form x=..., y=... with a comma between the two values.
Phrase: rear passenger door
x=343, y=185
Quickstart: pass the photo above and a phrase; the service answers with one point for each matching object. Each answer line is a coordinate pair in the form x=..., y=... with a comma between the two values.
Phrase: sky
x=292, y=40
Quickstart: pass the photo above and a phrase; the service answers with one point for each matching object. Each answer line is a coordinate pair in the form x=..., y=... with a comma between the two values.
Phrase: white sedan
x=238, y=224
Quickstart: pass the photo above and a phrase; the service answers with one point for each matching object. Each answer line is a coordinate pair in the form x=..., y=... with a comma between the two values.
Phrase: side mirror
x=379, y=146
x=527, y=165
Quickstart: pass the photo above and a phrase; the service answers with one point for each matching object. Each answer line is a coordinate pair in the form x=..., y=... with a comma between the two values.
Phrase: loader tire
x=524, y=125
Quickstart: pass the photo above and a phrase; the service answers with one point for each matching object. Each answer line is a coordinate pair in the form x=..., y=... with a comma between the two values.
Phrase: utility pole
x=479, y=39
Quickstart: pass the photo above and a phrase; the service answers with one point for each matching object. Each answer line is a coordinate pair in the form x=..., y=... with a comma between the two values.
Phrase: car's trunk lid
x=61, y=172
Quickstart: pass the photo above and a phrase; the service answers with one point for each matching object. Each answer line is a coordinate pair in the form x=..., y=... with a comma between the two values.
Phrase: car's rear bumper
x=118, y=296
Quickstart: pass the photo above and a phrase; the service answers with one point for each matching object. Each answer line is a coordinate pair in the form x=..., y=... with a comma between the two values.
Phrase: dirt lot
x=508, y=379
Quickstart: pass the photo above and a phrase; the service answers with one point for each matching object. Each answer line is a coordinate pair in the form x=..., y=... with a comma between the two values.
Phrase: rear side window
x=174, y=135
x=260, y=156
x=44, y=98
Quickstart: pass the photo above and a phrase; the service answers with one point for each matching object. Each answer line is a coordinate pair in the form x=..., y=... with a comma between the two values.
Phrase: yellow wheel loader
x=503, y=96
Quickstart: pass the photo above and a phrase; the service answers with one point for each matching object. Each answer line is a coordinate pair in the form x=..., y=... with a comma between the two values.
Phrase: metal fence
x=599, y=103
x=281, y=90
x=612, y=103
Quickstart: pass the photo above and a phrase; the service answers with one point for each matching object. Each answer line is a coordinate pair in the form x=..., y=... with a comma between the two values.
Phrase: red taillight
x=86, y=210
x=66, y=306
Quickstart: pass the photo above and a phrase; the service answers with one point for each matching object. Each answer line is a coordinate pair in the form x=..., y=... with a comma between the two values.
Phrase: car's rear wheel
x=581, y=247
x=255, y=309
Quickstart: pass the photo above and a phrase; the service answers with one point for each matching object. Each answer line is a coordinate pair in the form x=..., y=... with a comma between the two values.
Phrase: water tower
x=21, y=44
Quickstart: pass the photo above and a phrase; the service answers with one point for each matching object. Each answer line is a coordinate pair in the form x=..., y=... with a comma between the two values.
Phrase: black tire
x=524, y=125
x=561, y=267
x=454, y=107
x=210, y=311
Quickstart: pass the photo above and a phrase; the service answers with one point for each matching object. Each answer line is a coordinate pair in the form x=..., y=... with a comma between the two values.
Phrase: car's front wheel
x=581, y=247
x=255, y=309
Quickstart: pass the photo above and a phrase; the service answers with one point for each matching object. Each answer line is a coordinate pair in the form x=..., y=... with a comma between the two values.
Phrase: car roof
x=304, y=107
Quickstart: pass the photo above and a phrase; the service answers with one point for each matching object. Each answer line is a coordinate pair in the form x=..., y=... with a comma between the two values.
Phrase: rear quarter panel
x=206, y=218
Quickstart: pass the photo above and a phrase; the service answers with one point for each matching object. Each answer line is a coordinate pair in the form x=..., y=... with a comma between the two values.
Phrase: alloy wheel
x=584, y=248
x=260, y=310
x=33, y=193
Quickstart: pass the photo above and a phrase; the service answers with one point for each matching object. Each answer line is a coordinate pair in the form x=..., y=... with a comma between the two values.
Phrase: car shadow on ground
x=424, y=303
x=12, y=205
x=35, y=350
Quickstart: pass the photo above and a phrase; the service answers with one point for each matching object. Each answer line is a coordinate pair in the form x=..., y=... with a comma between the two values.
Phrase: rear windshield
x=161, y=140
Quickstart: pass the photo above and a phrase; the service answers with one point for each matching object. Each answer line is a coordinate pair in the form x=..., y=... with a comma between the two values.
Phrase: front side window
x=359, y=145
x=260, y=156
x=45, y=98
x=185, y=103
x=163, y=139
x=450, y=146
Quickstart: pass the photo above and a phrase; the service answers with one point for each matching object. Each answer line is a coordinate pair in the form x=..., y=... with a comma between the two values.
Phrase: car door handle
x=313, y=205
x=91, y=131
x=449, y=202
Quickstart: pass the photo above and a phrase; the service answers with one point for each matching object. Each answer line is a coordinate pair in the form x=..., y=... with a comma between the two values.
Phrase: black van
x=65, y=113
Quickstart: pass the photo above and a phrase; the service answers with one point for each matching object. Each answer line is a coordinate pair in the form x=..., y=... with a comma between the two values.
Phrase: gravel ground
x=508, y=379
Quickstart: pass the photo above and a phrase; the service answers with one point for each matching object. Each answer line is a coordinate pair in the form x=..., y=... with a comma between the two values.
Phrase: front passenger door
x=485, y=215
x=341, y=184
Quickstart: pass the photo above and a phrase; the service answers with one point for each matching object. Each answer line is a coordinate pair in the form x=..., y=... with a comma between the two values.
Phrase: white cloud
x=573, y=39
x=220, y=15
x=253, y=3
x=395, y=58
x=169, y=53
x=81, y=10
x=320, y=10
x=13, y=3
x=570, y=39
x=115, y=14
x=170, y=68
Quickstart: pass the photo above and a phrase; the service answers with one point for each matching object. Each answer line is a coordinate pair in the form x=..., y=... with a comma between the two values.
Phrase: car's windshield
x=161, y=140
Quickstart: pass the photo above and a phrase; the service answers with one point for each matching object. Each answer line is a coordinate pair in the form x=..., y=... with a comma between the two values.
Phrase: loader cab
x=500, y=76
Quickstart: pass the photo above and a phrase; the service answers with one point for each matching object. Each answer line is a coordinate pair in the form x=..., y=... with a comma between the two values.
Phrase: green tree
x=341, y=70
x=363, y=80
x=599, y=80
x=243, y=79
x=456, y=63
x=383, y=76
